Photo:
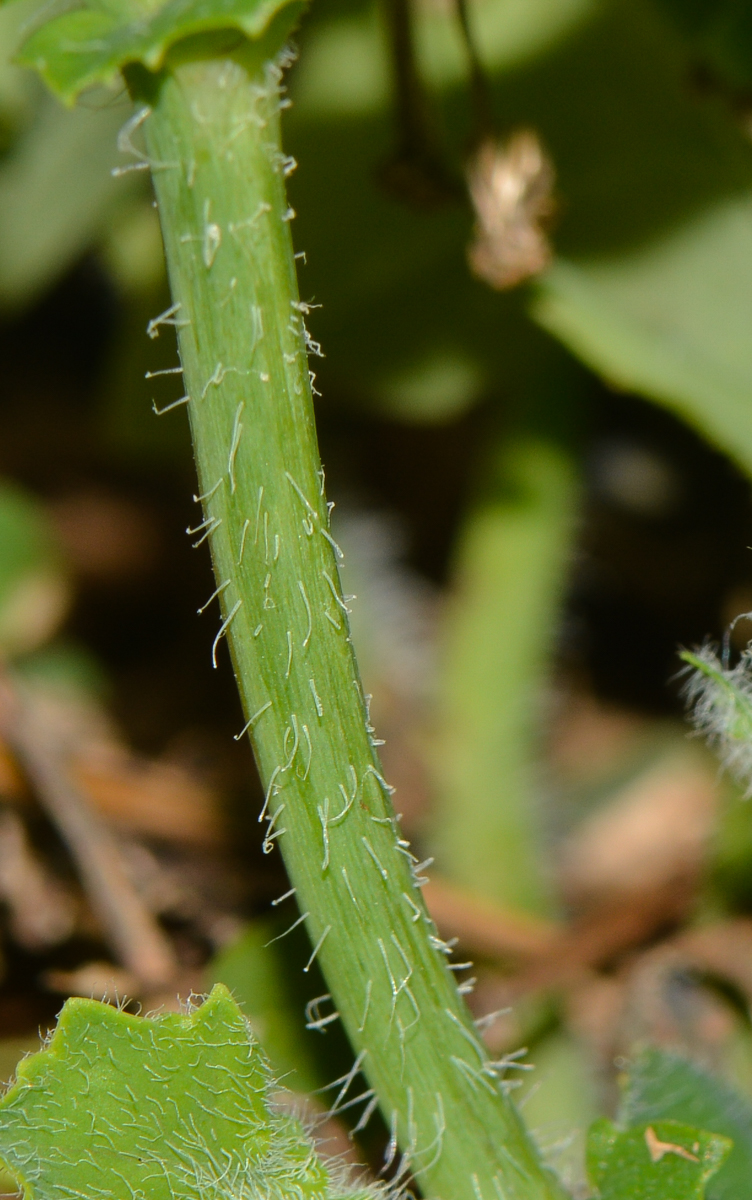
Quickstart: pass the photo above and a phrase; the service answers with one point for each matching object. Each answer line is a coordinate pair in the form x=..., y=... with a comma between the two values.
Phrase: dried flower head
x=511, y=188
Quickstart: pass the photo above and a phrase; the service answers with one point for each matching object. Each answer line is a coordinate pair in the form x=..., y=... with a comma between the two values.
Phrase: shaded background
x=542, y=494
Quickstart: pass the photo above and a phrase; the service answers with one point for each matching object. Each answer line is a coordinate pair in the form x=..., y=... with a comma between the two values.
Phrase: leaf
x=18, y=89
x=669, y=320
x=661, y=1085
x=720, y=702
x=34, y=588
x=257, y=968
x=346, y=70
x=665, y=1160
x=56, y=184
x=121, y=1107
x=57, y=193
x=90, y=45
x=720, y=32
x=497, y=641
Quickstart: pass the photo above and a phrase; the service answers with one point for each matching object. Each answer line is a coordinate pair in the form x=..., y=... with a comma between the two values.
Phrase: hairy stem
x=213, y=140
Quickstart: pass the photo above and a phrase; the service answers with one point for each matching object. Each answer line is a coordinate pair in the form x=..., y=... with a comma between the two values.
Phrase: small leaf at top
x=665, y=1160
x=125, y=1108
x=89, y=45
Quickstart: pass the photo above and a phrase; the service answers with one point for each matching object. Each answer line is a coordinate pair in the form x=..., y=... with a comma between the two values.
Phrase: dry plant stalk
x=42, y=751
x=41, y=911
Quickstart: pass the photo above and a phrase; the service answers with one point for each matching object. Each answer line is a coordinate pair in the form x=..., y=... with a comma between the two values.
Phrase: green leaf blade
x=662, y=1085
x=666, y=1160
x=175, y=1105
x=72, y=52
x=90, y=45
x=668, y=319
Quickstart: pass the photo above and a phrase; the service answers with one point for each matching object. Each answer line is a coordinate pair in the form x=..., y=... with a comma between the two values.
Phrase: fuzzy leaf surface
x=663, y=1161
x=119, y=1106
x=720, y=701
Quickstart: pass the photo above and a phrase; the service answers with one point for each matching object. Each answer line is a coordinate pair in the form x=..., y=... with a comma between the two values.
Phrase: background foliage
x=543, y=494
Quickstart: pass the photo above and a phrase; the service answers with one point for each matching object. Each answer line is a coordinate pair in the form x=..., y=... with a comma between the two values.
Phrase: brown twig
x=41, y=749
x=42, y=912
x=556, y=955
x=608, y=932
x=479, y=86
x=485, y=928
x=722, y=950
x=156, y=799
x=160, y=800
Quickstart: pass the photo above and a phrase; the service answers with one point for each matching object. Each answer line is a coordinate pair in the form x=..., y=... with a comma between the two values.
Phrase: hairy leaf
x=119, y=1106
x=720, y=701
x=662, y=1161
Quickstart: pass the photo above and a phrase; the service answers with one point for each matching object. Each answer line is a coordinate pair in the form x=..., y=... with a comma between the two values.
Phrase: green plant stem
x=213, y=140
x=509, y=579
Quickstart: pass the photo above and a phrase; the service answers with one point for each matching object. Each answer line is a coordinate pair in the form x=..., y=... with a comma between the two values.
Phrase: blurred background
x=539, y=451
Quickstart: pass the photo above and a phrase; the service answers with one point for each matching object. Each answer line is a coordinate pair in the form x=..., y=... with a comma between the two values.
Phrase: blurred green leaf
x=19, y=90
x=720, y=31
x=56, y=182
x=508, y=581
x=34, y=590
x=559, y=1101
x=665, y=1160
x=652, y=286
x=670, y=320
x=56, y=190
x=345, y=70
x=131, y=247
x=731, y=862
x=507, y=32
x=66, y=669
x=662, y=1086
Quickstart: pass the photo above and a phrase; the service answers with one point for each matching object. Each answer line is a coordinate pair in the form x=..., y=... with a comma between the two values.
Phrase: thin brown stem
x=415, y=172
x=41, y=749
x=480, y=90
x=41, y=911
